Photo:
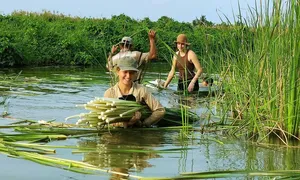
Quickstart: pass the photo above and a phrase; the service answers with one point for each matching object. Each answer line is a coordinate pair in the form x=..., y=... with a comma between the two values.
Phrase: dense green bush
x=9, y=56
x=54, y=39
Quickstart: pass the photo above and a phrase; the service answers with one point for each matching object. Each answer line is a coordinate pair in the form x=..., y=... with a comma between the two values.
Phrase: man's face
x=126, y=77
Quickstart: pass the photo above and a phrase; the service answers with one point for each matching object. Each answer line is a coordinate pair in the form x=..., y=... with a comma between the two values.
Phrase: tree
x=202, y=22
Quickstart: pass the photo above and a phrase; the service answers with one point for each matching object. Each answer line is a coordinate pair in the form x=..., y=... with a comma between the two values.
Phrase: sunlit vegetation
x=30, y=143
x=28, y=38
x=262, y=75
x=257, y=59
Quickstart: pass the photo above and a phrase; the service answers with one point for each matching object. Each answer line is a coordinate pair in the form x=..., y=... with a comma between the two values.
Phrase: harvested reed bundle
x=104, y=111
x=108, y=110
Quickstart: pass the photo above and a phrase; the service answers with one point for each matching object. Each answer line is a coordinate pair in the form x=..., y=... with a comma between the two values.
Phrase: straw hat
x=181, y=38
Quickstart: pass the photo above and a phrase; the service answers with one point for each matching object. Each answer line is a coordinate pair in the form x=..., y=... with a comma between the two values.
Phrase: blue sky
x=180, y=10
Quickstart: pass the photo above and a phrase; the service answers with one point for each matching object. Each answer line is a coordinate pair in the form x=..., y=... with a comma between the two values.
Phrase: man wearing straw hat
x=125, y=46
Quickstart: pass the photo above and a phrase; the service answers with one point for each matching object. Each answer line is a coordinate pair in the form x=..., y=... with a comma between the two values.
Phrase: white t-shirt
x=141, y=58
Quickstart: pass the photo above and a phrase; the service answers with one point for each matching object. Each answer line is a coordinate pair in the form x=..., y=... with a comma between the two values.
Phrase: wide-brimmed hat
x=127, y=64
x=126, y=40
x=181, y=38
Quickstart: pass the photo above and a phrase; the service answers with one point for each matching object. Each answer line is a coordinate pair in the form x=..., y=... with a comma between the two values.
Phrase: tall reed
x=263, y=80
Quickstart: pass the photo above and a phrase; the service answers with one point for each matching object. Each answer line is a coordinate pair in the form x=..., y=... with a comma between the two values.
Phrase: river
x=52, y=93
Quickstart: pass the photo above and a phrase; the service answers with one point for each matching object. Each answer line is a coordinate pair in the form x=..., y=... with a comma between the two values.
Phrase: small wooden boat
x=203, y=90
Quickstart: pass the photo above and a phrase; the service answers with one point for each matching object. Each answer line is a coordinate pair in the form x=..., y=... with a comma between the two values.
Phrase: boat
x=203, y=90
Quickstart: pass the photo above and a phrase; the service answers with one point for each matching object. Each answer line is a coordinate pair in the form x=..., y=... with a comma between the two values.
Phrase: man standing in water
x=126, y=51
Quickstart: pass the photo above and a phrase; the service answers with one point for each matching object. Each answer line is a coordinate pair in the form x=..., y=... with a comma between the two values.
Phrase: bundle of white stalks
x=105, y=111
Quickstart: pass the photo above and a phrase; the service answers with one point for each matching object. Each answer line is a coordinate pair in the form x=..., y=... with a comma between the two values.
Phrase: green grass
x=262, y=82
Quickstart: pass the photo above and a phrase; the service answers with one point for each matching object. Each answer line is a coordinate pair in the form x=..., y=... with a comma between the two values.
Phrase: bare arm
x=171, y=73
x=193, y=57
x=152, y=51
x=109, y=64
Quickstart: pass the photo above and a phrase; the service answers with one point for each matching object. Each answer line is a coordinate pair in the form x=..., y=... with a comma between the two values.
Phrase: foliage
x=263, y=78
x=9, y=55
x=202, y=21
x=46, y=38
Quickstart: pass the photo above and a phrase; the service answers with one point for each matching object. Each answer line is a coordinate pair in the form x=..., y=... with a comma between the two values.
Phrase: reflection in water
x=125, y=151
x=52, y=97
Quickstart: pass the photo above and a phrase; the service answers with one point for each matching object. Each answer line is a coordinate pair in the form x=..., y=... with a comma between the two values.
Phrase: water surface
x=51, y=93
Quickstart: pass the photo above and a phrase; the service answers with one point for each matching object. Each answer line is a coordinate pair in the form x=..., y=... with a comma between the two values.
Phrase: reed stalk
x=115, y=110
x=263, y=81
x=68, y=164
x=32, y=137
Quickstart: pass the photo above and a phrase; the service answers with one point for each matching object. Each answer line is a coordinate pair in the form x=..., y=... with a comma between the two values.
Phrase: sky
x=179, y=10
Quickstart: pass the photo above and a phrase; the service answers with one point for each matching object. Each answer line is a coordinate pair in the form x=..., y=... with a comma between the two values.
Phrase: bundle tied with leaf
x=105, y=111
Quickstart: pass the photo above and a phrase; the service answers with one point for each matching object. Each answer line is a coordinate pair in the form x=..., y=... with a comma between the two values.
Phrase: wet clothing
x=141, y=94
x=183, y=85
x=186, y=72
x=141, y=58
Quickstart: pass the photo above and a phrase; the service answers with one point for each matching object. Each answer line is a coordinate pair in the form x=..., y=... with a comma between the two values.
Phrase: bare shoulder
x=175, y=55
x=191, y=52
x=192, y=55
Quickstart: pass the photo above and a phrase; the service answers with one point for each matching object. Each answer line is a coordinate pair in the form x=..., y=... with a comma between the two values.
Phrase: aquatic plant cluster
x=257, y=58
x=106, y=111
x=30, y=143
x=263, y=82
